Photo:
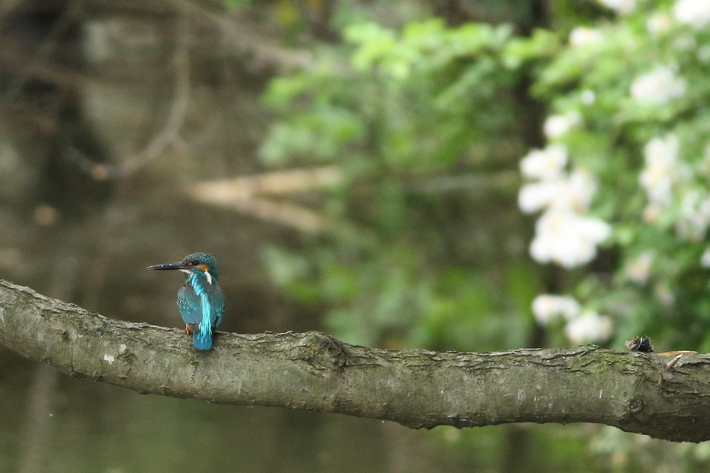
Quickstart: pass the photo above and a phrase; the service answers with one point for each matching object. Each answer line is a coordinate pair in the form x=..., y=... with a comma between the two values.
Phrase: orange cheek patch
x=202, y=267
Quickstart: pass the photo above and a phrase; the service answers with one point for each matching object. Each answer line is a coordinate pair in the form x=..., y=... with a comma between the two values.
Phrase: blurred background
x=472, y=175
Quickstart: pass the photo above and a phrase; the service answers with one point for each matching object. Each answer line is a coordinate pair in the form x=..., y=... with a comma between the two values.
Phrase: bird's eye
x=195, y=263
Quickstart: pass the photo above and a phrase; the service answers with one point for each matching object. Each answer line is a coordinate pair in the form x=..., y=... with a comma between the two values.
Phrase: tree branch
x=418, y=388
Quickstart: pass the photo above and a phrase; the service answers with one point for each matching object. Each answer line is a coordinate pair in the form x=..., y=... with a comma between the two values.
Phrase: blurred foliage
x=425, y=122
x=237, y=4
x=426, y=246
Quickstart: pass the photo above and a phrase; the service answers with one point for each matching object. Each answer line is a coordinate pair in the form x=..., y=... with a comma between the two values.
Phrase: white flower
x=587, y=97
x=557, y=126
x=658, y=185
x=664, y=294
x=581, y=36
x=660, y=156
x=573, y=192
x=703, y=54
x=662, y=177
x=658, y=87
x=694, y=215
x=589, y=327
x=619, y=6
x=639, y=268
x=567, y=238
x=547, y=307
x=685, y=42
x=652, y=212
x=662, y=151
x=544, y=164
x=702, y=166
x=568, y=307
x=659, y=23
x=538, y=195
x=580, y=190
x=562, y=234
x=695, y=13
x=544, y=308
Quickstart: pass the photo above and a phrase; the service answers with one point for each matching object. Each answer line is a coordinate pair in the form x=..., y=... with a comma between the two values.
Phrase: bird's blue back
x=201, y=304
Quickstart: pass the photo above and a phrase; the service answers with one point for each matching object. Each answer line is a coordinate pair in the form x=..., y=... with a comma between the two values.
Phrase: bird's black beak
x=178, y=265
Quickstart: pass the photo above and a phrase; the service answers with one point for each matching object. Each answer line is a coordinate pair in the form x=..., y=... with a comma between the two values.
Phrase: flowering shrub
x=424, y=122
x=630, y=113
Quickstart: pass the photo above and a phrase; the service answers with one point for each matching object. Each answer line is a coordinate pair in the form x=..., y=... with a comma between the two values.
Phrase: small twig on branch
x=417, y=388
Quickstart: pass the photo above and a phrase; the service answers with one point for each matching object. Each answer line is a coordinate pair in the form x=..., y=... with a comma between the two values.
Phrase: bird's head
x=202, y=264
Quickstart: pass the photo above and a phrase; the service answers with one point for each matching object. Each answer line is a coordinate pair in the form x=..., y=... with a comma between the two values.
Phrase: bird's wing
x=217, y=306
x=189, y=305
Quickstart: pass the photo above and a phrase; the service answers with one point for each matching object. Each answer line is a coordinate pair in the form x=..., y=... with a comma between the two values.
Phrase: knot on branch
x=636, y=404
x=323, y=352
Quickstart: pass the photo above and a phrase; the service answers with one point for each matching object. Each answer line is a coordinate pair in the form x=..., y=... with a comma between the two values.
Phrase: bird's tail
x=202, y=340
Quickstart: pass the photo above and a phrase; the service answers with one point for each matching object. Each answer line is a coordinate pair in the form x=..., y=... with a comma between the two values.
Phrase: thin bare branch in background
x=245, y=39
x=318, y=16
x=181, y=100
x=7, y=6
x=239, y=34
x=176, y=117
x=46, y=70
x=254, y=195
x=68, y=18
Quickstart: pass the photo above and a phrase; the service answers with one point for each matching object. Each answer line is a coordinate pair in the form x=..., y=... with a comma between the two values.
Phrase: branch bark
x=635, y=392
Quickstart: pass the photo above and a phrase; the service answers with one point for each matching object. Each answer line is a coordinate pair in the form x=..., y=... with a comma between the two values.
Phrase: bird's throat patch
x=204, y=268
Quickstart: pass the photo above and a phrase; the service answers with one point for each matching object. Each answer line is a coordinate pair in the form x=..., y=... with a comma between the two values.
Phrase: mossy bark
x=417, y=388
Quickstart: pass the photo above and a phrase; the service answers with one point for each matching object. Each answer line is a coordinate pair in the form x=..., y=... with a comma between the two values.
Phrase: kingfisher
x=201, y=300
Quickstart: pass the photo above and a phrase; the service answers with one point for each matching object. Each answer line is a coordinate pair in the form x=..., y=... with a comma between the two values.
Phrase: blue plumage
x=200, y=300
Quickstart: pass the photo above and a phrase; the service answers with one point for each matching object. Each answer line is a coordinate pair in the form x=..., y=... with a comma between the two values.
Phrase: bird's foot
x=188, y=330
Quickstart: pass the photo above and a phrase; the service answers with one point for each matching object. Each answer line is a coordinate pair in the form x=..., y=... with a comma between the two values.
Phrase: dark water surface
x=94, y=427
